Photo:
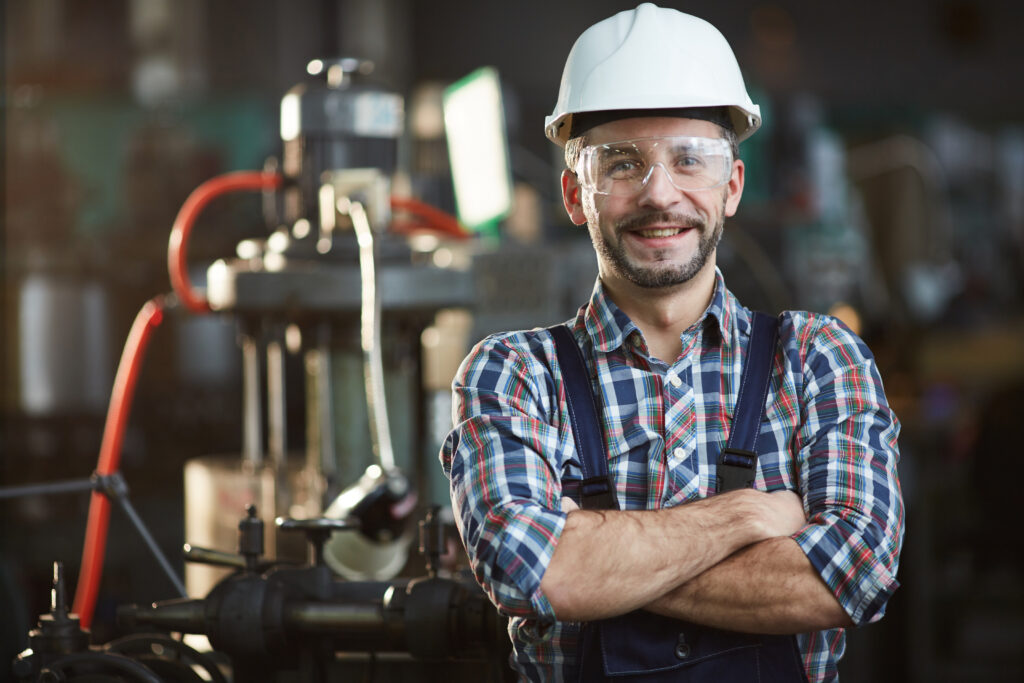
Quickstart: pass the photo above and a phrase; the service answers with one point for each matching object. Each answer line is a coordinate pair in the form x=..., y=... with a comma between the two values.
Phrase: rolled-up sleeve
x=501, y=459
x=848, y=456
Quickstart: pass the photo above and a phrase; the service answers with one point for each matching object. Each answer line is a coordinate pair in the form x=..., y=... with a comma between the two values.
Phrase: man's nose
x=657, y=188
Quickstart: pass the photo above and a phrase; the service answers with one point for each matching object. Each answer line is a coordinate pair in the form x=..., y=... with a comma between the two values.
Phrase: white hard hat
x=651, y=58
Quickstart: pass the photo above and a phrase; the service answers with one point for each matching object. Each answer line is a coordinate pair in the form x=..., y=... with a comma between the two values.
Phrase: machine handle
x=217, y=558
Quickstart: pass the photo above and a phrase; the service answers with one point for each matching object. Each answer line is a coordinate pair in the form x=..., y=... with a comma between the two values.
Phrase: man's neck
x=663, y=314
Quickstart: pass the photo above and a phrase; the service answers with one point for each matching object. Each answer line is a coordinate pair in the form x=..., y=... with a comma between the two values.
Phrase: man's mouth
x=653, y=233
x=659, y=225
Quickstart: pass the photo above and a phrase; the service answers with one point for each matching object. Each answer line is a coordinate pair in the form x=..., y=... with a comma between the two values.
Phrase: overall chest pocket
x=641, y=647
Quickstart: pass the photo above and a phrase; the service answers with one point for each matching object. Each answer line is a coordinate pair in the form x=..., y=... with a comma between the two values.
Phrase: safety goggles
x=624, y=168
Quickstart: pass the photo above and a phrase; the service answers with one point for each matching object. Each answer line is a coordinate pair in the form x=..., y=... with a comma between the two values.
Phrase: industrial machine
x=336, y=291
x=285, y=621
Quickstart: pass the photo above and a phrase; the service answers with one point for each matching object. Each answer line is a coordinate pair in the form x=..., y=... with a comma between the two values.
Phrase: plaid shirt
x=828, y=433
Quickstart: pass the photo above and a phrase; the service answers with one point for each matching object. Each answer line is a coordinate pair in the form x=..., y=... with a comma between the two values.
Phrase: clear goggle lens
x=624, y=168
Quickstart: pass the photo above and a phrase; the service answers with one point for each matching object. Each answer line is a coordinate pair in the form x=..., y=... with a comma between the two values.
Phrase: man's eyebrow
x=618, y=150
x=684, y=145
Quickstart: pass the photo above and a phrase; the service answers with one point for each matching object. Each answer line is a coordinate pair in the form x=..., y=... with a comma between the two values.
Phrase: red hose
x=148, y=318
x=177, y=264
x=128, y=371
x=435, y=218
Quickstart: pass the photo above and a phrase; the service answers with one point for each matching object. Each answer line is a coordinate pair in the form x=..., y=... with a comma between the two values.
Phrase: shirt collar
x=609, y=328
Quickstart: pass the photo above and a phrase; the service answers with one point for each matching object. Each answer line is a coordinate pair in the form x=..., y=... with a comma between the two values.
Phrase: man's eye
x=689, y=162
x=621, y=167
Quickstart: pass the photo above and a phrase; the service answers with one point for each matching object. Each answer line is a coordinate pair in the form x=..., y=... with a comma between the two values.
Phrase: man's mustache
x=647, y=220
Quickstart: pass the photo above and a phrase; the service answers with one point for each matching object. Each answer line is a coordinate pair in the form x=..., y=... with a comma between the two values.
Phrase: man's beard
x=668, y=274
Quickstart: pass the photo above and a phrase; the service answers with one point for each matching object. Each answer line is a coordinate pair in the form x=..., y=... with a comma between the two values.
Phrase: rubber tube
x=177, y=264
x=148, y=319
x=435, y=219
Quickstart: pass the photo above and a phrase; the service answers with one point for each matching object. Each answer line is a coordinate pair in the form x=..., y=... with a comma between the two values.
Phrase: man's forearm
x=612, y=562
x=767, y=587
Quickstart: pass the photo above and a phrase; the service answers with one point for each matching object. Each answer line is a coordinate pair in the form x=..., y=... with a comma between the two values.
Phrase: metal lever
x=217, y=558
x=317, y=530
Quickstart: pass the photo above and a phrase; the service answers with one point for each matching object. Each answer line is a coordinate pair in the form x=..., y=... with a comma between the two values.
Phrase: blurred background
x=886, y=187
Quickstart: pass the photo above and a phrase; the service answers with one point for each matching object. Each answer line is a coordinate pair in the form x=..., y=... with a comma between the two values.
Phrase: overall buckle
x=736, y=469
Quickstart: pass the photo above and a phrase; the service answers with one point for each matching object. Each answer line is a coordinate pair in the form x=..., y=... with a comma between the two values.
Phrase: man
x=650, y=110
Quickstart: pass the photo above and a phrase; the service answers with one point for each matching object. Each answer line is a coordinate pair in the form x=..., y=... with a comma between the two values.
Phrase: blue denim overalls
x=643, y=647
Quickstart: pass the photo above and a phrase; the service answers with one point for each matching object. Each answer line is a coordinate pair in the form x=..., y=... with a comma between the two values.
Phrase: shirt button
x=678, y=452
x=674, y=380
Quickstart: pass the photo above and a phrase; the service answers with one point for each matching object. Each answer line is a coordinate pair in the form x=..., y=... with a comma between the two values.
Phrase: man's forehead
x=651, y=126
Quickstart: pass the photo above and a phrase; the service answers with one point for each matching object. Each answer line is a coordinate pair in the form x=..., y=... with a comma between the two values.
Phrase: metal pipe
x=277, y=432
x=373, y=367
x=337, y=619
x=71, y=486
x=320, y=417
x=252, y=452
x=58, y=597
x=324, y=382
x=186, y=616
x=277, y=437
x=217, y=558
x=151, y=543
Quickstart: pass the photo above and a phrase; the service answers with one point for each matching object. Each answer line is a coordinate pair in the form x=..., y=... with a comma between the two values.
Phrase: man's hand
x=783, y=513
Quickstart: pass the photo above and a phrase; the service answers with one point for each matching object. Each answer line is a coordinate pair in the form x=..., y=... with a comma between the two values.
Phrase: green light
x=478, y=149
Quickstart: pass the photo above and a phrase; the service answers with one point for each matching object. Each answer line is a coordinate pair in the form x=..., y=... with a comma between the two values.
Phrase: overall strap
x=596, y=490
x=737, y=463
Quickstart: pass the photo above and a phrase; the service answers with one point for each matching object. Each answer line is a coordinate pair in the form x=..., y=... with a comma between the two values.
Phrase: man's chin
x=650, y=278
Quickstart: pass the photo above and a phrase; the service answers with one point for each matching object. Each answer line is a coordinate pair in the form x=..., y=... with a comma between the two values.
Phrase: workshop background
x=887, y=186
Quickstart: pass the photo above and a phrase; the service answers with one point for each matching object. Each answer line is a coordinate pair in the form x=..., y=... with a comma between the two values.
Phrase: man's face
x=660, y=236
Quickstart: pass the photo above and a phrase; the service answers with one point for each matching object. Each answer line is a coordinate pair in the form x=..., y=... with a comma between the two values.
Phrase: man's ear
x=571, y=197
x=734, y=190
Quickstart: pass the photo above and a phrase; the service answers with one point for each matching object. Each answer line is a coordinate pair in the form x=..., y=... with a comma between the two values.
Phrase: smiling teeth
x=659, y=232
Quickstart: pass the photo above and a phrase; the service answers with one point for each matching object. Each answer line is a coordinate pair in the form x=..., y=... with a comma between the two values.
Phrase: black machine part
x=277, y=617
x=336, y=123
x=59, y=651
x=59, y=633
x=269, y=617
x=274, y=615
